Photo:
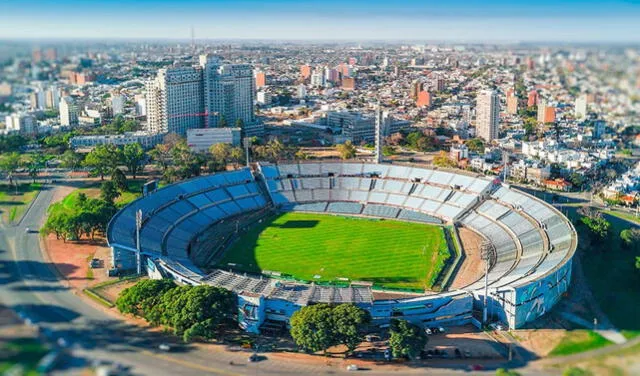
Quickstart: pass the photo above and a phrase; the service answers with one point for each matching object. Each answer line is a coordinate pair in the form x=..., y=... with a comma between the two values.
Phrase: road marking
x=188, y=364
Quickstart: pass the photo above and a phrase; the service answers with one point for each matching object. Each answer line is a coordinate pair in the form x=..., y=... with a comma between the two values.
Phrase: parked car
x=352, y=367
x=428, y=331
x=164, y=347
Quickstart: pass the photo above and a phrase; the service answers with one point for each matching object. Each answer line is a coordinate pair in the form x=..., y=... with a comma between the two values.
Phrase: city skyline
x=496, y=20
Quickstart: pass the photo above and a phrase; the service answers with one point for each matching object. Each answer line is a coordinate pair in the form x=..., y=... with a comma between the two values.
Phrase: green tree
x=109, y=191
x=220, y=154
x=506, y=372
x=9, y=163
x=312, y=328
x=102, y=160
x=349, y=322
x=576, y=179
x=161, y=154
x=638, y=262
x=143, y=296
x=239, y=123
x=443, y=160
x=575, y=371
x=598, y=226
x=406, y=340
x=119, y=178
x=34, y=164
x=222, y=122
x=475, y=145
x=70, y=159
x=236, y=156
x=346, y=150
x=133, y=157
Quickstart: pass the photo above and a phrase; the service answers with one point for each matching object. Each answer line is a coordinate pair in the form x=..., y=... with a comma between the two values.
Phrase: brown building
x=51, y=54
x=416, y=88
x=423, y=99
x=81, y=78
x=261, y=79
x=532, y=99
x=512, y=102
x=305, y=71
x=348, y=83
x=558, y=185
x=546, y=114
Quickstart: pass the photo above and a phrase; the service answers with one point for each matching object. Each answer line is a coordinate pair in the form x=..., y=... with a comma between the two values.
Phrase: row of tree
x=193, y=312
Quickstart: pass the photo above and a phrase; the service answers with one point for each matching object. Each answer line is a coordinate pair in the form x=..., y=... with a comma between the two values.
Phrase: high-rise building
x=69, y=112
x=438, y=83
x=599, y=127
x=423, y=99
x=175, y=101
x=581, y=106
x=302, y=91
x=52, y=97
x=37, y=99
x=348, y=83
x=416, y=87
x=117, y=104
x=532, y=98
x=487, y=115
x=305, y=71
x=261, y=79
x=229, y=93
x=512, y=102
x=317, y=79
x=546, y=114
x=21, y=123
x=6, y=90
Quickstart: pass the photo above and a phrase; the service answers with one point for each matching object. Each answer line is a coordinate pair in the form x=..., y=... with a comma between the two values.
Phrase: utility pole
x=138, y=226
x=486, y=252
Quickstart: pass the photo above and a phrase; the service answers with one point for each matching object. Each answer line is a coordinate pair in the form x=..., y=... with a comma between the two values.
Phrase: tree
x=239, y=123
x=185, y=306
x=70, y=159
x=349, y=324
x=406, y=340
x=161, y=154
x=506, y=372
x=119, y=179
x=221, y=154
x=597, y=225
x=109, y=191
x=475, y=145
x=346, y=150
x=102, y=160
x=222, y=122
x=143, y=296
x=638, y=262
x=133, y=158
x=443, y=160
x=312, y=328
x=9, y=164
x=576, y=179
x=35, y=164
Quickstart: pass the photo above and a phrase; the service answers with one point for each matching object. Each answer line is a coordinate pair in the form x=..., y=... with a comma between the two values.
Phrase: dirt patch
x=472, y=268
x=539, y=341
x=111, y=292
x=72, y=260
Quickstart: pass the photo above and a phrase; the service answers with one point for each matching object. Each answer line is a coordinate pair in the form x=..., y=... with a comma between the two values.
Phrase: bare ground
x=472, y=267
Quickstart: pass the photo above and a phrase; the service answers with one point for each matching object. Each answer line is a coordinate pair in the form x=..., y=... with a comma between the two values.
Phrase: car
x=476, y=367
x=164, y=347
x=372, y=338
x=441, y=329
x=352, y=367
x=428, y=331
x=253, y=358
x=95, y=263
x=27, y=230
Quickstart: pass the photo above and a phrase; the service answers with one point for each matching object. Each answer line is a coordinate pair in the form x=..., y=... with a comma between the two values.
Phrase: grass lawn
x=323, y=248
x=13, y=206
x=628, y=216
x=24, y=351
x=577, y=341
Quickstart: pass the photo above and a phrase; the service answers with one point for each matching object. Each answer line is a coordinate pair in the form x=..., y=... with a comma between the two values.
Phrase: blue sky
x=471, y=20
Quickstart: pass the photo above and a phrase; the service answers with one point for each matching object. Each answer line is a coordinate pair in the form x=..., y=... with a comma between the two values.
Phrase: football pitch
x=339, y=249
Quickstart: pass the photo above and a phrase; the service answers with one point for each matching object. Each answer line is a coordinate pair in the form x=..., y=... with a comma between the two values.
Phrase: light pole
x=138, y=226
x=486, y=251
x=247, y=144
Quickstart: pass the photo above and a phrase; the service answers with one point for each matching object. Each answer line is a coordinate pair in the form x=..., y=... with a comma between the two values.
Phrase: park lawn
x=24, y=351
x=329, y=248
x=12, y=206
x=576, y=341
x=627, y=216
x=69, y=203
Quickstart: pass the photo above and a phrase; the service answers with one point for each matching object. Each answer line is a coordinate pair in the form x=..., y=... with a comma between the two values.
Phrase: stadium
x=430, y=246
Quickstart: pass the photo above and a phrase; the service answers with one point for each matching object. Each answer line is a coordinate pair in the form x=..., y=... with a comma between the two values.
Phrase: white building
x=459, y=152
x=229, y=92
x=69, y=112
x=302, y=91
x=117, y=104
x=581, y=109
x=317, y=79
x=175, y=101
x=146, y=139
x=21, y=123
x=487, y=115
x=200, y=140
x=263, y=98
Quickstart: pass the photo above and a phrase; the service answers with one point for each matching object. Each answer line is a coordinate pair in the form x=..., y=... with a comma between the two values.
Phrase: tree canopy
x=102, y=160
x=346, y=150
x=406, y=340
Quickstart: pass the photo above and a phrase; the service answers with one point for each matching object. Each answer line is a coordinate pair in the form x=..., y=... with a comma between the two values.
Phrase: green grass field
x=12, y=205
x=577, y=341
x=391, y=254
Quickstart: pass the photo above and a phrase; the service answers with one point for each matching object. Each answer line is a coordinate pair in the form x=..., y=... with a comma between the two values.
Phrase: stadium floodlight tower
x=379, y=134
x=138, y=226
x=247, y=145
x=486, y=252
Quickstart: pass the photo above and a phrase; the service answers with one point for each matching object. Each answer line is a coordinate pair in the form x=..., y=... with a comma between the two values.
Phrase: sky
x=443, y=20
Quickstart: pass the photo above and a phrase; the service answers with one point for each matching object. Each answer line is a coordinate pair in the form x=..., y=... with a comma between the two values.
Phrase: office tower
x=261, y=79
x=305, y=71
x=117, y=104
x=52, y=97
x=532, y=98
x=416, y=87
x=68, y=112
x=302, y=91
x=546, y=114
x=487, y=115
x=512, y=102
x=175, y=101
x=581, y=106
x=37, y=99
x=423, y=99
x=229, y=92
x=331, y=75
x=317, y=79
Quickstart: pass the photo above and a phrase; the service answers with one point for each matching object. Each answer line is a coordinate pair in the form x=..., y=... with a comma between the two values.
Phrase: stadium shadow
x=298, y=224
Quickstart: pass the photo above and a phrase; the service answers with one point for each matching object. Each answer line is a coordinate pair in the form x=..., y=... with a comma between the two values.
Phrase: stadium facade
x=190, y=223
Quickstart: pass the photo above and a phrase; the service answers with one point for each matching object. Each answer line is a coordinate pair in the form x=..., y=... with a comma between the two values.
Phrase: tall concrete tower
x=379, y=134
